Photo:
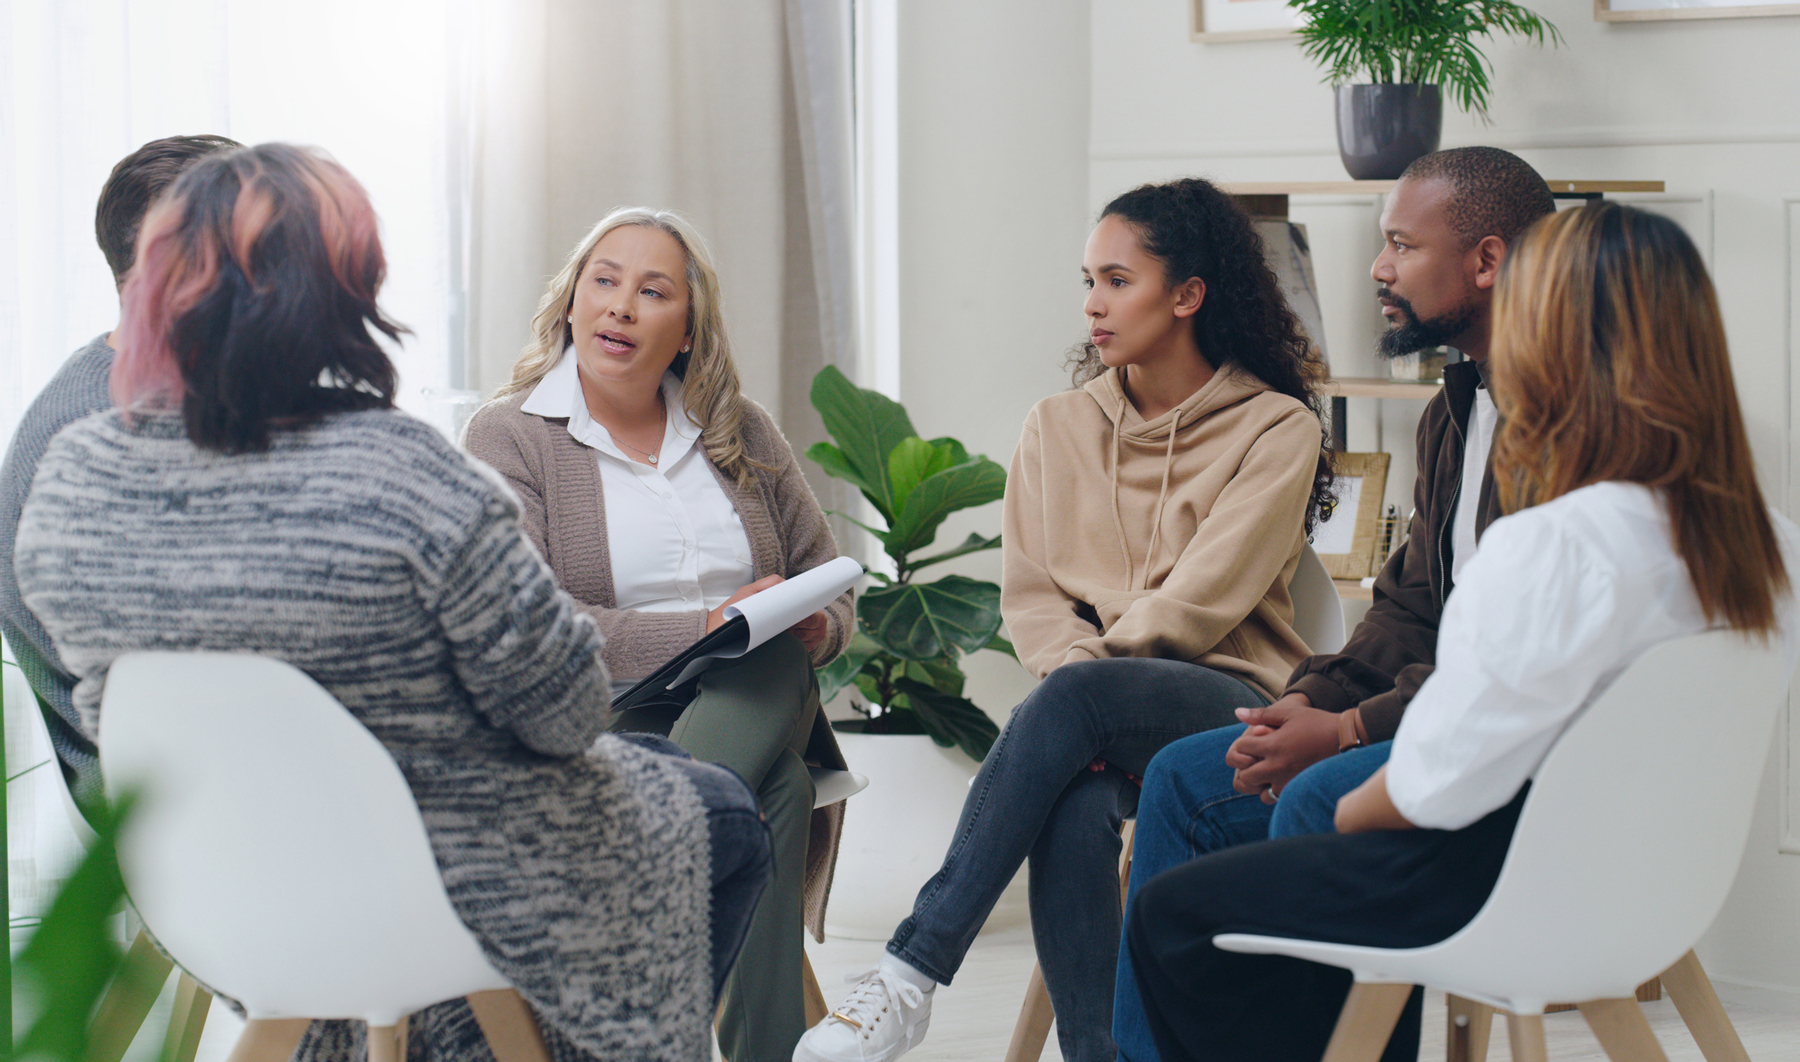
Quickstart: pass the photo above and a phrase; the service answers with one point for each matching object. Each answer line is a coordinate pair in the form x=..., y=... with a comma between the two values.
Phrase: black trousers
x=1398, y=889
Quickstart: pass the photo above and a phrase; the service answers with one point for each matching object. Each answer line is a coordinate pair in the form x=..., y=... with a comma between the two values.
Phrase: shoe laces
x=870, y=998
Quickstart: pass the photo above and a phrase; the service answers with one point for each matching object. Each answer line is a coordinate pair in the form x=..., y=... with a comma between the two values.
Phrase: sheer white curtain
x=736, y=114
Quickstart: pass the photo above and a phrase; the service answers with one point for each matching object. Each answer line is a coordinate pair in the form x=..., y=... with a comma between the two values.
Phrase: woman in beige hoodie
x=1154, y=517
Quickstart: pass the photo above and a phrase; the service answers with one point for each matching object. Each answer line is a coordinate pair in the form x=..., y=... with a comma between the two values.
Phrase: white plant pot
x=897, y=831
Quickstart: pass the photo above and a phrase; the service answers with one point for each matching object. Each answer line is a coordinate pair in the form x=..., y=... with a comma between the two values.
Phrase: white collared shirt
x=676, y=542
x=1557, y=602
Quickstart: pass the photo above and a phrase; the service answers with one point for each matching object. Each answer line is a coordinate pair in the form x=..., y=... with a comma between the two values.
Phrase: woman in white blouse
x=659, y=494
x=1635, y=519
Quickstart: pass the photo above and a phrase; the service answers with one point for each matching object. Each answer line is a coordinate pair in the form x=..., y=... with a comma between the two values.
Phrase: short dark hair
x=1492, y=192
x=135, y=183
x=253, y=308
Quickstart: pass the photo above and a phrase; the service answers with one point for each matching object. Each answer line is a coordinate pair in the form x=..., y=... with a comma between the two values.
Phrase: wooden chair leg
x=1692, y=993
x=511, y=1029
x=269, y=1039
x=816, y=1011
x=384, y=1043
x=1127, y=838
x=1525, y=1032
x=128, y=1000
x=1468, y=1027
x=187, y=1021
x=1620, y=1027
x=1366, y=1022
x=1033, y=1027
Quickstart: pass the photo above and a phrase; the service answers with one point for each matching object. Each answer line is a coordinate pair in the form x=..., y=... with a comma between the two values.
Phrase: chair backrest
x=275, y=849
x=1318, y=612
x=1634, y=827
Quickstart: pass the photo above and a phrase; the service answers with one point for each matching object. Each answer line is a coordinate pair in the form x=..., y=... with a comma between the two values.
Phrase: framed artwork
x=1346, y=542
x=1659, y=10
x=1244, y=20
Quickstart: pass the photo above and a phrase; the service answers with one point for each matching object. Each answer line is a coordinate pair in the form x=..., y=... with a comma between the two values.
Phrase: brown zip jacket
x=1394, y=648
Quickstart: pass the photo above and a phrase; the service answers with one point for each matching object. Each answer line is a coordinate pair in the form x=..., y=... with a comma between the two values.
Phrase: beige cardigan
x=563, y=512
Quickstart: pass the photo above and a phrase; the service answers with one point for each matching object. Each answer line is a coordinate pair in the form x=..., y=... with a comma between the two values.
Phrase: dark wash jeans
x=1035, y=796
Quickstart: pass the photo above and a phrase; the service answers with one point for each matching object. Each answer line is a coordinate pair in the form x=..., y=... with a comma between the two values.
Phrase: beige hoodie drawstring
x=1162, y=496
x=1118, y=521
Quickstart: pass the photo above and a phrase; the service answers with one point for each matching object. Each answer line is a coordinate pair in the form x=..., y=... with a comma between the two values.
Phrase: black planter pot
x=1381, y=129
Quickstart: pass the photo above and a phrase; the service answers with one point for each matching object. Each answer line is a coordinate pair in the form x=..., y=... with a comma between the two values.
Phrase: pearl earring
x=571, y=318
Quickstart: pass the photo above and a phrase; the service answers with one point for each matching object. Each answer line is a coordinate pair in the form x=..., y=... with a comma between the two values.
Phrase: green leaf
x=866, y=425
x=958, y=455
x=974, y=482
x=913, y=460
x=70, y=957
x=1001, y=645
x=837, y=674
x=973, y=544
x=927, y=621
x=941, y=675
x=951, y=720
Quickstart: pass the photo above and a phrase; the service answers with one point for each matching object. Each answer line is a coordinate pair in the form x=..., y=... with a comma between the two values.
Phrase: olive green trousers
x=755, y=716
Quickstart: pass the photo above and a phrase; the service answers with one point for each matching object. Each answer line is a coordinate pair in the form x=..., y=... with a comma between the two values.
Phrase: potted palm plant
x=1413, y=53
x=918, y=738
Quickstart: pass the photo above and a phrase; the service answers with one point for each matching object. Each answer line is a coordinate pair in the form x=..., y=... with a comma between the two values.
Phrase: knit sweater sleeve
x=806, y=538
x=529, y=661
x=1043, y=619
x=1241, y=548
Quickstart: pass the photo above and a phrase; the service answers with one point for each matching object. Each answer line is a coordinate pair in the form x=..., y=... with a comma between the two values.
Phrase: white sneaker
x=882, y=1018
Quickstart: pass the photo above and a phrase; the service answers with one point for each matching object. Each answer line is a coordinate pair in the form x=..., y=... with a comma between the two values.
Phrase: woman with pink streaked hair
x=256, y=491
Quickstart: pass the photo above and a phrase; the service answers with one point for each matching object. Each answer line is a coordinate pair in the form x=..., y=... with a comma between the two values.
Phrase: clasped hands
x=810, y=631
x=1291, y=735
x=1284, y=739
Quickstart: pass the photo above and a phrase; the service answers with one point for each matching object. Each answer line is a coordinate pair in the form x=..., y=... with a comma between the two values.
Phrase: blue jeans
x=1188, y=809
x=1034, y=795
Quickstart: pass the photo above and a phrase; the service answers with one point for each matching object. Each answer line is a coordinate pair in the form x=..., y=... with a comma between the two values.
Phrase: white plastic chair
x=276, y=852
x=143, y=971
x=1623, y=855
x=1319, y=621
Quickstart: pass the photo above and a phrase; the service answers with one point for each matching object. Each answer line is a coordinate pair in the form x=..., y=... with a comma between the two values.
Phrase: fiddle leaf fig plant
x=904, y=660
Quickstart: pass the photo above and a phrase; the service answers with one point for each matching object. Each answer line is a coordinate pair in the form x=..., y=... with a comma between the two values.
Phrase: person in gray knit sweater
x=77, y=389
x=659, y=494
x=255, y=491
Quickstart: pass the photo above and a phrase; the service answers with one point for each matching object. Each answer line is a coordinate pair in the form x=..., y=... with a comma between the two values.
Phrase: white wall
x=993, y=100
x=1706, y=106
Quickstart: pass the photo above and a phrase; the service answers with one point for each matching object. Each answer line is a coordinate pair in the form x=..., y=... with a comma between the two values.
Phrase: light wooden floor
x=971, y=1021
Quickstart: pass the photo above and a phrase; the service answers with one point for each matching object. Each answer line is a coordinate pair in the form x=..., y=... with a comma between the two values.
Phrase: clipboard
x=748, y=624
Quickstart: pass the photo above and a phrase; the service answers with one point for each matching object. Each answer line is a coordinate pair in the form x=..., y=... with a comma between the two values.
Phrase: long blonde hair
x=711, y=391
x=1609, y=363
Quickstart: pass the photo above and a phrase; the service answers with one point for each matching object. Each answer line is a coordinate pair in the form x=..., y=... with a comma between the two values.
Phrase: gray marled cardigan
x=564, y=512
x=370, y=553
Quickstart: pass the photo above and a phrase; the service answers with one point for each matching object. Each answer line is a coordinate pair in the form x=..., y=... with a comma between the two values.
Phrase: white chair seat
x=1625, y=849
x=832, y=786
x=275, y=849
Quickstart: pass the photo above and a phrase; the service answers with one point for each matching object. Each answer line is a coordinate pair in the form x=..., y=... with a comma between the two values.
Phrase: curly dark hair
x=1195, y=230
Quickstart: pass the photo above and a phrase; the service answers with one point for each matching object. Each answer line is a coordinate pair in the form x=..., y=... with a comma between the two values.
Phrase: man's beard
x=1412, y=333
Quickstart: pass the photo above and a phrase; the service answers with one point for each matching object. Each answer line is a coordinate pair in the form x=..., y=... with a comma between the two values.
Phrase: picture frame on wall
x=1217, y=21
x=1346, y=542
x=1664, y=10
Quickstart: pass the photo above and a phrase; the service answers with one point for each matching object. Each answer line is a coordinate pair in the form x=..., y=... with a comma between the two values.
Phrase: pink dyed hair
x=216, y=212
